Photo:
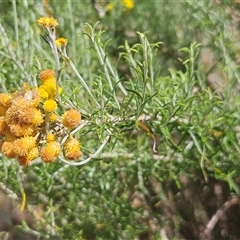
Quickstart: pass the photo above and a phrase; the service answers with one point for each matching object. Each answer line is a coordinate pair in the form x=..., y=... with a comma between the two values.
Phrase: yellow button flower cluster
x=48, y=22
x=30, y=126
x=48, y=89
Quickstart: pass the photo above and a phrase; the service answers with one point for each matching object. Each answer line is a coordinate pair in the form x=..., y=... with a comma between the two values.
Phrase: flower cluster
x=48, y=90
x=48, y=22
x=30, y=126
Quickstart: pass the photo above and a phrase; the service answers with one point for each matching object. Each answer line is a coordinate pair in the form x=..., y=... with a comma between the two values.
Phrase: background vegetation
x=173, y=66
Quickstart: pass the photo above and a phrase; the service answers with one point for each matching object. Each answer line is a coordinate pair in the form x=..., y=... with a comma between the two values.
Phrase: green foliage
x=151, y=64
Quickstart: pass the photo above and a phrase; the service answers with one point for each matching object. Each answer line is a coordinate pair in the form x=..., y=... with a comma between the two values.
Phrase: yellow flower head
x=49, y=152
x=71, y=118
x=8, y=150
x=72, y=149
x=129, y=4
x=50, y=137
x=46, y=155
x=53, y=117
x=31, y=116
x=73, y=155
x=72, y=144
x=43, y=92
x=47, y=22
x=5, y=100
x=18, y=105
x=37, y=117
x=25, y=160
x=46, y=74
x=22, y=146
x=33, y=154
x=48, y=89
x=50, y=105
x=61, y=42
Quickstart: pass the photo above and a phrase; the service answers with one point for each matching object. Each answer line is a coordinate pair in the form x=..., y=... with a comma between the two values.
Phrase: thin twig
x=215, y=218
